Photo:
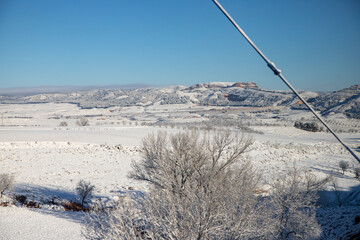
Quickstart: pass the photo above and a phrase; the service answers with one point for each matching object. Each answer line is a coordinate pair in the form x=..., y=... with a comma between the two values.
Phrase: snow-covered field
x=47, y=162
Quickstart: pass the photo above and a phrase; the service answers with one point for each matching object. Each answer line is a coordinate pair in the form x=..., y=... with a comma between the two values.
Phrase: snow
x=47, y=161
x=63, y=164
x=27, y=224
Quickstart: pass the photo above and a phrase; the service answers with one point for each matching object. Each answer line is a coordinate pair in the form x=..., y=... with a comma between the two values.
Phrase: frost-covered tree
x=84, y=190
x=344, y=166
x=293, y=198
x=82, y=121
x=203, y=187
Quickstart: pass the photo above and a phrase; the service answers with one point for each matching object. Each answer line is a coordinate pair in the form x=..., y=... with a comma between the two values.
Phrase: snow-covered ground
x=25, y=223
x=47, y=161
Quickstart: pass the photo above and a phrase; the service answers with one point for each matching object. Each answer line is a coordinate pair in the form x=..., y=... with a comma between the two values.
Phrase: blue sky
x=168, y=42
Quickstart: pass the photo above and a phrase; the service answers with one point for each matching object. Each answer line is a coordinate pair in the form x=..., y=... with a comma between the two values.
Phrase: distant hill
x=345, y=101
x=28, y=91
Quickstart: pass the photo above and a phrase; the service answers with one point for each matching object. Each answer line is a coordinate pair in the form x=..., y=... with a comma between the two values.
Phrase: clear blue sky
x=167, y=42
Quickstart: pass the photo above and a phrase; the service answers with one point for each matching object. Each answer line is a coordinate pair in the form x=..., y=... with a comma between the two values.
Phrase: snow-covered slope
x=343, y=101
x=346, y=101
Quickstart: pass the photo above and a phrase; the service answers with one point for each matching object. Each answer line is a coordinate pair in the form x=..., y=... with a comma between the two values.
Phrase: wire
x=277, y=72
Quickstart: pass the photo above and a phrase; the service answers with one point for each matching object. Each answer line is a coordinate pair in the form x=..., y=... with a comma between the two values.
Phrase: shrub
x=293, y=199
x=344, y=166
x=312, y=127
x=208, y=175
x=63, y=124
x=357, y=173
x=21, y=198
x=202, y=187
x=6, y=182
x=84, y=190
x=82, y=122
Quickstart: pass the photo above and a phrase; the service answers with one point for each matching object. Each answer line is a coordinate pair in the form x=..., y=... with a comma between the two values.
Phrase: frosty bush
x=207, y=174
x=293, y=198
x=357, y=173
x=84, y=190
x=6, y=182
x=82, y=122
x=122, y=221
x=202, y=187
x=63, y=124
x=312, y=127
x=344, y=166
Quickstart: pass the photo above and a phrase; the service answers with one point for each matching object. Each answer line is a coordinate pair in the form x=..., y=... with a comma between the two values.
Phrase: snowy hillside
x=345, y=101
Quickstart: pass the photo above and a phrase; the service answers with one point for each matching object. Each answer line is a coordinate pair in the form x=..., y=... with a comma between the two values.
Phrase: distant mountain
x=346, y=101
x=241, y=94
x=28, y=91
x=225, y=85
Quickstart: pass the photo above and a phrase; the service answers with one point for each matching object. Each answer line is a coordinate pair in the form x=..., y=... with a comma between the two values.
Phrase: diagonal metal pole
x=277, y=72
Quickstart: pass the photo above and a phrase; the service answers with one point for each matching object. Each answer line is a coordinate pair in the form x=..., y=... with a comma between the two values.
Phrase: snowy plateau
x=47, y=151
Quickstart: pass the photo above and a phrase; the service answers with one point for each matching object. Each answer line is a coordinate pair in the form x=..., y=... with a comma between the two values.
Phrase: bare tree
x=344, y=166
x=84, y=190
x=201, y=186
x=293, y=199
x=82, y=122
x=6, y=182
x=171, y=163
